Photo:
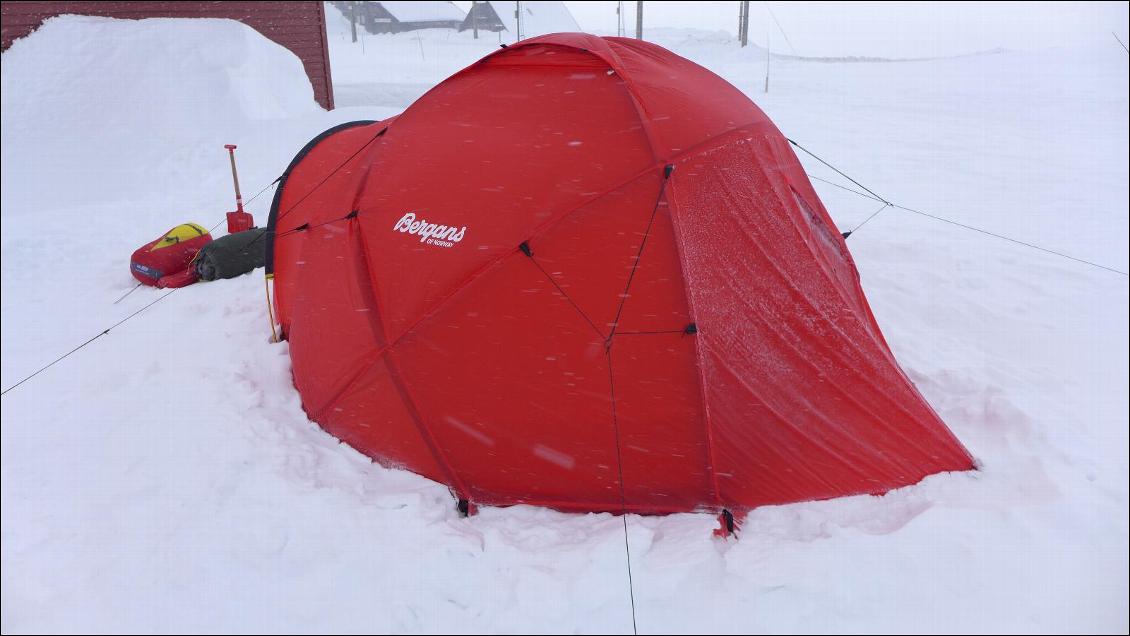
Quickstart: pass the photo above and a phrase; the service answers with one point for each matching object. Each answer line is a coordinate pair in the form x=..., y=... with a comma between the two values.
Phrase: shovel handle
x=235, y=177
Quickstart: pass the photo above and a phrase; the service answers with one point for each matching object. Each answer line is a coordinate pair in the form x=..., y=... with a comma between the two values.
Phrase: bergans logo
x=430, y=233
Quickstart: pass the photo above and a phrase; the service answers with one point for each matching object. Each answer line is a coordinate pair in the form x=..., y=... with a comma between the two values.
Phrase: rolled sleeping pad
x=232, y=255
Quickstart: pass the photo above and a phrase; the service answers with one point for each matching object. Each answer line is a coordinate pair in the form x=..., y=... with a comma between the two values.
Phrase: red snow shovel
x=238, y=221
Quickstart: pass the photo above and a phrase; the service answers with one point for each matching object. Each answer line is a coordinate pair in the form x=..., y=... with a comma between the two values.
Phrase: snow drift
x=109, y=107
x=539, y=17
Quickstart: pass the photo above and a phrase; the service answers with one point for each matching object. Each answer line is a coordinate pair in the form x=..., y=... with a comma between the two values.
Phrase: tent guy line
x=280, y=217
x=524, y=247
x=106, y=331
x=608, y=342
x=99, y=335
x=873, y=215
x=623, y=496
x=1011, y=240
x=659, y=199
x=248, y=204
x=843, y=187
x=837, y=170
x=667, y=170
x=872, y=195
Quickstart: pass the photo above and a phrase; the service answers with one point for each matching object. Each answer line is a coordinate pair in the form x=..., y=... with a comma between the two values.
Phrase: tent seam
x=540, y=231
x=672, y=205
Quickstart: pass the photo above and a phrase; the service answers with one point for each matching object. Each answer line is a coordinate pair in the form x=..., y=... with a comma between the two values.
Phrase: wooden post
x=639, y=20
x=741, y=10
x=475, y=19
x=518, y=20
x=767, y=56
x=353, y=19
x=743, y=22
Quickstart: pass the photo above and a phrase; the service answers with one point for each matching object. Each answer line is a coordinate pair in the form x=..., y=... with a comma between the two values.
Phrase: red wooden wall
x=299, y=26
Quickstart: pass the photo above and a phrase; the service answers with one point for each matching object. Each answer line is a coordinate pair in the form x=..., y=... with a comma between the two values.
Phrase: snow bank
x=391, y=70
x=113, y=132
x=539, y=17
x=423, y=11
x=109, y=107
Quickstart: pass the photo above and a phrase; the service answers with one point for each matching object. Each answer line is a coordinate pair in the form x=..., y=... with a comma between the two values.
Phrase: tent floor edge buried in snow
x=588, y=274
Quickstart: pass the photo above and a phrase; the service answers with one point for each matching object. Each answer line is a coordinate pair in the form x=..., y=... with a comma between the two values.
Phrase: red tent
x=589, y=274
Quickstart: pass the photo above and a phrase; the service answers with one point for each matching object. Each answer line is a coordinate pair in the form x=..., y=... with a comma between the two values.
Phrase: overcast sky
x=891, y=29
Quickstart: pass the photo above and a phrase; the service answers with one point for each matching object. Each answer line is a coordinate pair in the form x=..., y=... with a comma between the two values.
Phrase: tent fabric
x=589, y=274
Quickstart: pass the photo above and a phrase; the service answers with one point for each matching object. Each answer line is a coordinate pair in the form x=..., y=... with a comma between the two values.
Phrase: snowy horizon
x=878, y=29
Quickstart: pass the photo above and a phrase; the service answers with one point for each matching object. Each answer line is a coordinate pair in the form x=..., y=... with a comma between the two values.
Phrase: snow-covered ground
x=164, y=478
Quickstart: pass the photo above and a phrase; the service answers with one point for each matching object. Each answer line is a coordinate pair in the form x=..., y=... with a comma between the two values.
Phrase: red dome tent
x=589, y=274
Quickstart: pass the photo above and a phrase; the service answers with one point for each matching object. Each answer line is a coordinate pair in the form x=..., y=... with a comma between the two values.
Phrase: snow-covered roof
x=538, y=18
x=425, y=11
